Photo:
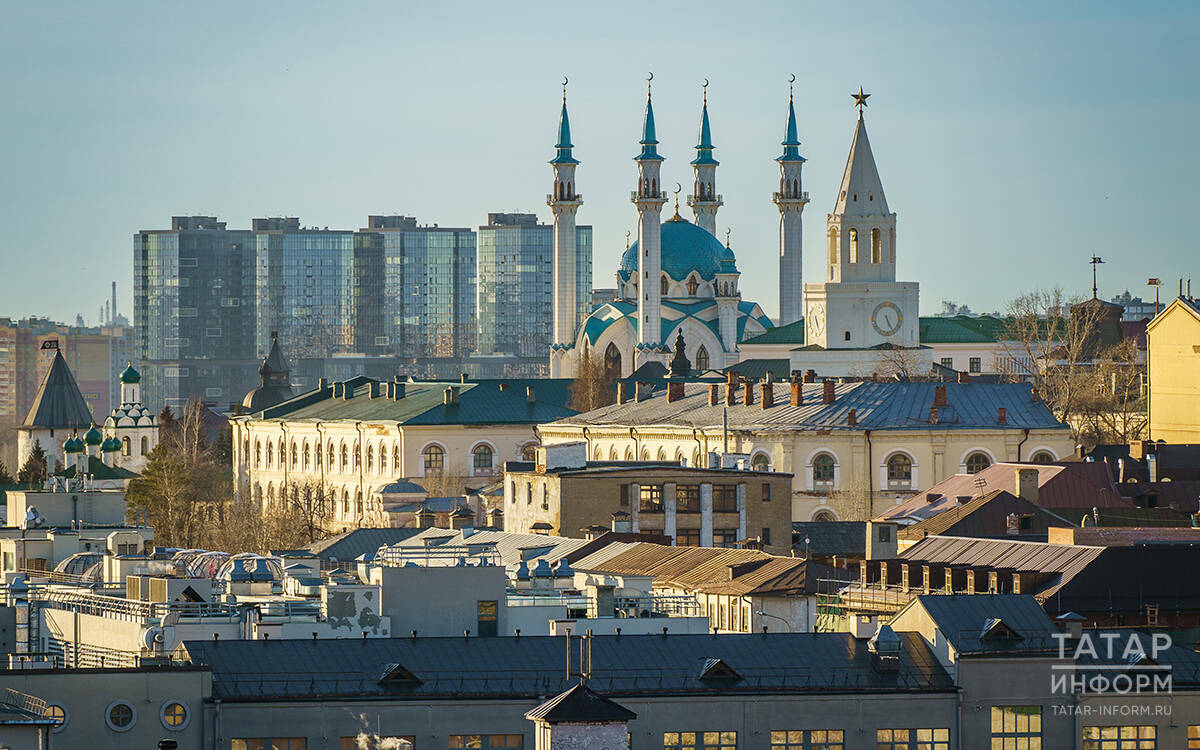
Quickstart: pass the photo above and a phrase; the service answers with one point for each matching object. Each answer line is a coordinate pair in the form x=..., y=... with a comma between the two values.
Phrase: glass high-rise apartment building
x=414, y=289
x=516, y=284
x=305, y=288
x=194, y=311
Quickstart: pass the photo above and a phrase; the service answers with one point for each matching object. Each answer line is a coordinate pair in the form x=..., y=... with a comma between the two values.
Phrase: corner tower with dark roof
x=274, y=385
x=59, y=410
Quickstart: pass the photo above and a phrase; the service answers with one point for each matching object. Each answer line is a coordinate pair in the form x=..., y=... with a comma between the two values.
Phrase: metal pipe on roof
x=1022, y=443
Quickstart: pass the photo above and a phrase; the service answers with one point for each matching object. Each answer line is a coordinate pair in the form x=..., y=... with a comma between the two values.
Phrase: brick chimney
x=933, y=415
x=768, y=395
x=939, y=395
x=827, y=396
x=674, y=391
x=714, y=397
x=852, y=417
x=810, y=376
x=641, y=392
x=622, y=393
x=1001, y=415
x=797, y=393
x=1027, y=485
x=964, y=377
x=731, y=389
x=749, y=393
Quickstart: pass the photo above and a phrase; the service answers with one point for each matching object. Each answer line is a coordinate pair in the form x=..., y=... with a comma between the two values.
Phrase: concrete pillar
x=635, y=505
x=669, y=490
x=706, y=515
x=741, y=506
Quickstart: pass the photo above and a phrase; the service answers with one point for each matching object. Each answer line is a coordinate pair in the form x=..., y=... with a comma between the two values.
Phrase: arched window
x=345, y=458
x=977, y=462
x=612, y=361
x=853, y=245
x=696, y=458
x=295, y=456
x=833, y=246
x=529, y=452
x=257, y=452
x=382, y=458
x=824, y=516
x=330, y=465
x=876, y=246
x=258, y=493
x=693, y=286
x=662, y=286
x=357, y=455
x=370, y=458
x=345, y=502
x=270, y=492
x=358, y=506
x=645, y=454
x=899, y=472
x=598, y=454
x=701, y=358
x=307, y=455
x=760, y=462
x=270, y=453
x=662, y=454
x=822, y=469
x=892, y=245
x=481, y=460
x=1043, y=457
x=145, y=445
x=629, y=454
x=396, y=459
x=435, y=459
x=612, y=453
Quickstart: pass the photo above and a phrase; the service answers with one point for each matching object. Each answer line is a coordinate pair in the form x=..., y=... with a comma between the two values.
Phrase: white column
x=566, y=298
x=669, y=509
x=791, y=246
x=706, y=515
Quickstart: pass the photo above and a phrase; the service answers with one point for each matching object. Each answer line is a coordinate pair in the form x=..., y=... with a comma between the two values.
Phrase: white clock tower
x=860, y=305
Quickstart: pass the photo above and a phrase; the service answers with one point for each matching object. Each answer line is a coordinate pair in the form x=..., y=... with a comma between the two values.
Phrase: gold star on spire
x=860, y=100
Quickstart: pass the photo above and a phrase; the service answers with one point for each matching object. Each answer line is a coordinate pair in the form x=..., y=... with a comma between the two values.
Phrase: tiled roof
x=58, y=403
x=878, y=406
x=532, y=666
x=479, y=402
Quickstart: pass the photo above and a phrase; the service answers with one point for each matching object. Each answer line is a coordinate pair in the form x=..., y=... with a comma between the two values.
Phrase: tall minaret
x=704, y=200
x=649, y=201
x=791, y=200
x=564, y=202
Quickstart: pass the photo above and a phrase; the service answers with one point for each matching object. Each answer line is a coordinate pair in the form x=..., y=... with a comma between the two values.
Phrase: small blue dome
x=685, y=248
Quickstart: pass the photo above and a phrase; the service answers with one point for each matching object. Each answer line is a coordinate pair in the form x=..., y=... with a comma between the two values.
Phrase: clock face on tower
x=887, y=318
x=816, y=318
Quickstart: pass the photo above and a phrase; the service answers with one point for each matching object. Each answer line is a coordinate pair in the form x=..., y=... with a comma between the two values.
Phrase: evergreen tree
x=34, y=473
x=6, y=479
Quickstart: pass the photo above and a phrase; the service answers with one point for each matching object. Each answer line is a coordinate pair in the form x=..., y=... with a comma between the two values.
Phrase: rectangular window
x=625, y=495
x=912, y=739
x=651, y=498
x=766, y=535
x=948, y=362
x=372, y=742
x=724, y=498
x=1016, y=727
x=808, y=739
x=269, y=743
x=1120, y=738
x=700, y=741
x=687, y=498
x=486, y=618
x=485, y=741
x=975, y=364
x=687, y=538
x=725, y=537
x=766, y=492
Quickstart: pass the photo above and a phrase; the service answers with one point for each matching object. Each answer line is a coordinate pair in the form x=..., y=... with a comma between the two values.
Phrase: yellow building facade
x=1173, y=339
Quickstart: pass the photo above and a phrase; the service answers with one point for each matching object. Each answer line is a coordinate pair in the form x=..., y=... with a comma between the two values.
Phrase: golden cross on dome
x=860, y=100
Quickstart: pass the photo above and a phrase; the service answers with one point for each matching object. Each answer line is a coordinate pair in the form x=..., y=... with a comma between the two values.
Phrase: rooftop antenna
x=1095, y=261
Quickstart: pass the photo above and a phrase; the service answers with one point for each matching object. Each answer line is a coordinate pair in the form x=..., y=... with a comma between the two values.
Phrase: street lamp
x=1156, y=283
x=786, y=624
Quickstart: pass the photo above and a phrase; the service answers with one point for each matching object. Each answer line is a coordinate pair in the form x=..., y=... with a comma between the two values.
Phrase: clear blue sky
x=1014, y=139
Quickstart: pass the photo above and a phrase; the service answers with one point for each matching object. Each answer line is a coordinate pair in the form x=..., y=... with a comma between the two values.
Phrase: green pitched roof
x=959, y=329
x=479, y=402
x=792, y=333
x=99, y=470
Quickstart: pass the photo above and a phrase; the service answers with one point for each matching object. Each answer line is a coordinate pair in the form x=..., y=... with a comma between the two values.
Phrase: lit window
x=912, y=739
x=58, y=713
x=174, y=715
x=120, y=716
x=700, y=741
x=651, y=497
x=1193, y=737
x=808, y=739
x=977, y=462
x=1121, y=738
x=1017, y=726
x=687, y=499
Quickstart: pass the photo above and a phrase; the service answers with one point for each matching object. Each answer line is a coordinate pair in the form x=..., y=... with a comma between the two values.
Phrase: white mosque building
x=677, y=277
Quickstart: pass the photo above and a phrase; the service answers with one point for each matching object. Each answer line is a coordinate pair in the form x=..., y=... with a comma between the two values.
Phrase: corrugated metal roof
x=878, y=406
x=529, y=667
x=511, y=547
x=984, y=516
x=828, y=538
x=962, y=620
x=349, y=545
x=479, y=402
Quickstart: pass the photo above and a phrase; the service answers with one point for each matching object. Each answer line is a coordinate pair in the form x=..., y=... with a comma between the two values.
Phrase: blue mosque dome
x=685, y=248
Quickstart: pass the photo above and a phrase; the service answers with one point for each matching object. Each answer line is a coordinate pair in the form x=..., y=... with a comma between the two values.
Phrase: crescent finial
x=566, y=80
x=792, y=79
x=727, y=231
x=678, y=188
x=648, y=80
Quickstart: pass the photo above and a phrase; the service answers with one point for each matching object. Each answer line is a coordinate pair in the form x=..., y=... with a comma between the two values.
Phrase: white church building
x=677, y=277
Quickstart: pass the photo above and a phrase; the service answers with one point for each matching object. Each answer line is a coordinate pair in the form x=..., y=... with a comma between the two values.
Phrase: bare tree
x=852, y=500
x=1112, y=403
x=593, y=383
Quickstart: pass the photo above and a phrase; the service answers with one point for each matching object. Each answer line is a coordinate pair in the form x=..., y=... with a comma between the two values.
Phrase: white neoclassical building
x=351, y=439
x=843, y=442
x=676, y=276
